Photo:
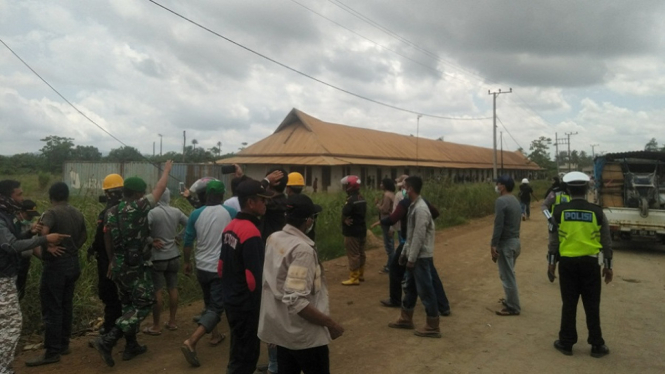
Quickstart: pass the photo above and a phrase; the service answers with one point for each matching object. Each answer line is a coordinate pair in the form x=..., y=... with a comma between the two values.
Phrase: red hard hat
x=352, y=182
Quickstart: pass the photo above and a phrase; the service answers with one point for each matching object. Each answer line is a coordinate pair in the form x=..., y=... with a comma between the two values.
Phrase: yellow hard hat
x=112, y=181
x=296, y=180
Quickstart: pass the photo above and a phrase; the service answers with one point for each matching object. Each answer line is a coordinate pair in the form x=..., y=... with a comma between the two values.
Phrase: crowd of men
x=256, y=261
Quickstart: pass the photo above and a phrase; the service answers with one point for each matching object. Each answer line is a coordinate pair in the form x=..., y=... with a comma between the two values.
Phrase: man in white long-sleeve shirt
x=294, y=301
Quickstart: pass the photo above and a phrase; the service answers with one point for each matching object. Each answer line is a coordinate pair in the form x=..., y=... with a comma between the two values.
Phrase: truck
x=630, y=186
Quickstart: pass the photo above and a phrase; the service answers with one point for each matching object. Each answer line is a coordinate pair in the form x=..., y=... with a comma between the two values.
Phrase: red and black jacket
x=241, y=263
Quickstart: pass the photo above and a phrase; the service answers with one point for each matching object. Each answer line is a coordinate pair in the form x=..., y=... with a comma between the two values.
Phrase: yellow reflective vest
x=578, y=228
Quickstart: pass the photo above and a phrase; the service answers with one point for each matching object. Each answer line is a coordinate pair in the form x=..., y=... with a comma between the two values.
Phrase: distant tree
x=440, y=138
x=86, y=153
x=244, y=144
x=125, y=154
x=540, y=152
x=585, y=160
x=219, y=146
x=521, y=150
x=56, y=151
x=652, y=145
x=194, y=143
x=214, y=150
x=574, y=158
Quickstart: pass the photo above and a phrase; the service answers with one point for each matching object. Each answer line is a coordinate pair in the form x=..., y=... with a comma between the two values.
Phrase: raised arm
x=161, y=184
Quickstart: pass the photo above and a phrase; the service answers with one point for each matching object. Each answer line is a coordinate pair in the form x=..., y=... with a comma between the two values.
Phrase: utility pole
x=417, y=136
x=184, y=144
x=501, y=152
x=495, y=94
x=593, y=150
x=558, y=141
x=160, y=144
x=569, y=159
x=153, y=149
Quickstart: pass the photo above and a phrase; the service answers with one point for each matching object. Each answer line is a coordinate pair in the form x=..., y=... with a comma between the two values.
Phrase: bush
x=43, y=179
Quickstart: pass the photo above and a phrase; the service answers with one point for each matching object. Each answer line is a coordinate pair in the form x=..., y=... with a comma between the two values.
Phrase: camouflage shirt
x=128, y=223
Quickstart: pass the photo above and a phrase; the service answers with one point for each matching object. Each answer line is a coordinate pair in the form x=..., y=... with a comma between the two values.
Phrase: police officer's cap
x=576, y=178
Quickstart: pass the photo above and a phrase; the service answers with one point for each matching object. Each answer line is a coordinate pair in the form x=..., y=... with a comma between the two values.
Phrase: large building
x=326, y=152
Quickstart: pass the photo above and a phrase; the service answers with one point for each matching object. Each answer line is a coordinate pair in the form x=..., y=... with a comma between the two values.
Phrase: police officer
x=106, y=288
x=580, y=241
x=126, y=237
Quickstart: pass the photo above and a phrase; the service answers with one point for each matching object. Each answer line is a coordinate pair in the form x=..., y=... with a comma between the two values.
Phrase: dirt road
x=475, y=340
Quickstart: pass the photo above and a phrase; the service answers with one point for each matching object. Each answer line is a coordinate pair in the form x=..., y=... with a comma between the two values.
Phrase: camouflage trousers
x=136, y=292
x=10, y=328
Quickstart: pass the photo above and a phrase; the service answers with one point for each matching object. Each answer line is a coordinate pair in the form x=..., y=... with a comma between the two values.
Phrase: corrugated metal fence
x=87, y=177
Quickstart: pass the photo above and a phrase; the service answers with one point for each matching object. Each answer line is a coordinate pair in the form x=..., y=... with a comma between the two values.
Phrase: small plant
x=44, y=179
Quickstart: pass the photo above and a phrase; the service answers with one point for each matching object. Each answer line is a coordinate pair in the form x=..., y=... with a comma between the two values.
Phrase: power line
x=307, y=75
x=511, y=135
x=376, y=43
x=74, y=106
x=395, y=35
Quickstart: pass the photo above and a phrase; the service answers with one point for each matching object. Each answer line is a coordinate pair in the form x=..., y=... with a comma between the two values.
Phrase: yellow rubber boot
x=353, y=279
x=361, y=274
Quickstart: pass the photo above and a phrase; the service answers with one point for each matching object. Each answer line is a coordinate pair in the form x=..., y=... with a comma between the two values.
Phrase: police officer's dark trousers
x=580, y=276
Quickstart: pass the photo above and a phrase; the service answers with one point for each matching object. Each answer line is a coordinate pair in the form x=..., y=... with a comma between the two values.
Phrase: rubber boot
x=353, y=279
x=405, y=320
x=104, y=345
x=361, y=273
x=431, y=329
x=132, y=348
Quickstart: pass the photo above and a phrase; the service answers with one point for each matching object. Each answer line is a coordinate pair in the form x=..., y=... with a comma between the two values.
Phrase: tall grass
x=457, y=203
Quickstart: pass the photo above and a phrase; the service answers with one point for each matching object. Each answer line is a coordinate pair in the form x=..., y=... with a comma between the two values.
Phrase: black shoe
x=568, y=351
x=43, y=359
x=389, y=304
x=445, y=313
x=133, y=350
x=599, y=351
x=104, y=345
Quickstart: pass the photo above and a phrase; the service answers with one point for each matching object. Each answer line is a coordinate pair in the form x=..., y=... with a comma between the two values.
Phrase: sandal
x=150, y=331
x=507, y=312
x=190, y=355
x=212, y=343
x=170, y=327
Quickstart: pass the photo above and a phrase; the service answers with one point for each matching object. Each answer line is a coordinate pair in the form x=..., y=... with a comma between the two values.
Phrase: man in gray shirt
x=505, y=246
x=164, y=221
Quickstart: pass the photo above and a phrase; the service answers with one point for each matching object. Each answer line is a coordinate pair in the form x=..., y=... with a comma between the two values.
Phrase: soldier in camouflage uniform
x=12, y=243
x=126, y=237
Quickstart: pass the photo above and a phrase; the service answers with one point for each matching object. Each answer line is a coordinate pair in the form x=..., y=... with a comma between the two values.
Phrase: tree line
x=57, y=149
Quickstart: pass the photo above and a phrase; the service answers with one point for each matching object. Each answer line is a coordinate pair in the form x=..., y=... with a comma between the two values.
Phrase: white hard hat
x=576, y=178
x=525, y=180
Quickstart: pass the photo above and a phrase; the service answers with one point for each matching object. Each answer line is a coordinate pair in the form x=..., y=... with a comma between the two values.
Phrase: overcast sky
x=592, y=67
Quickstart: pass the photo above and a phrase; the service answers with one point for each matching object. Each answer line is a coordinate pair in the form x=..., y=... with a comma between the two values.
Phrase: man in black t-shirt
x=525, y=198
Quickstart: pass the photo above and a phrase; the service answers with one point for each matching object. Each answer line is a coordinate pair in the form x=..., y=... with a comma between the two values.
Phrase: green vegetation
x=457, y=203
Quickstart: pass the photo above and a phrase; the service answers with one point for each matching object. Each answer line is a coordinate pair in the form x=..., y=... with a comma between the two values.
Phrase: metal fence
x=86, y=177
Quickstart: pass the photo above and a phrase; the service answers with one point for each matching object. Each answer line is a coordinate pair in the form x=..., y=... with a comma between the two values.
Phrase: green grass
x=457, y=204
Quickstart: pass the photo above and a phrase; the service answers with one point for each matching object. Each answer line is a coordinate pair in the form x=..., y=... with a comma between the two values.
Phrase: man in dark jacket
x=354, y=229
x=241, y=269
x=59, y=275
x=107, y=290
x=12, y=243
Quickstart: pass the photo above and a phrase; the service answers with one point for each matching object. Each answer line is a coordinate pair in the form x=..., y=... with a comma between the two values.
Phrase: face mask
x=310, y=228
x=26, y=222
x=403, y=193
x=496, y=189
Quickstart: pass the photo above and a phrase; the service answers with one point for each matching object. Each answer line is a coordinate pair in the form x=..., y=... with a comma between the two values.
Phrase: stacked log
x=611, y=191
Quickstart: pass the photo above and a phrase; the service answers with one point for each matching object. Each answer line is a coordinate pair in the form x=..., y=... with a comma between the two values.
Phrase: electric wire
x=508, y=131
x=395, y=35
x=375, y=42
x=74, y=106
x=310, y=76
